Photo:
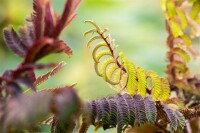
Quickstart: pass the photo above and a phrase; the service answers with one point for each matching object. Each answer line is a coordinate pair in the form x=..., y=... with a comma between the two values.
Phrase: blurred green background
x=136, y=25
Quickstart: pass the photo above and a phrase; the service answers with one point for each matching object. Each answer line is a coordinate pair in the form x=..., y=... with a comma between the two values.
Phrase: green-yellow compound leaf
x=179, y=65
x=123, y=80
x=110, y=73
x=96, y=67
x=131, y=83
x=171, y=12
x=118, y=71
x=93, y=39
x=100, y=54
x=156, y=85
x=163, y=5
x=175, y=28
x=182, y=53
x=99, y=45
x=111, y=69
x=117, y=75
x=94, y=24
x=197, y=19
x=89, y=32
x=165, y=89
x=104, y=66
x=182, y=18
x=141, y=81
x=186, y=39
x=195, y=9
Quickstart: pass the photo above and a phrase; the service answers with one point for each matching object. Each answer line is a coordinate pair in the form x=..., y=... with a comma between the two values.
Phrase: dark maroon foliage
x=25, y=112
x=35, y=39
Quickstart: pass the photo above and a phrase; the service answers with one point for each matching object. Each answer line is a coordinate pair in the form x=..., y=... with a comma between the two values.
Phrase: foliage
x=182, y=22
x=124, y=110
x=118, y=70
x=37, y=38
x=25, y=113
x=143, y=98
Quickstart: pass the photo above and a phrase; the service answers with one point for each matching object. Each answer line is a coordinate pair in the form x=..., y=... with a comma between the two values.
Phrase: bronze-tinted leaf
x=47, y=75
x=66, y=17
x=49, y=19
x=45, y=46
x=38, y=50
x=61, y=46
x=38, y=18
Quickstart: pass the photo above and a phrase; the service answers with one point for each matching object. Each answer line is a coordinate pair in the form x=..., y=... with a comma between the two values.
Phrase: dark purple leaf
x=38, y=18
x=13, y=89
x=171, y=117
x=14, y=78
x=131, y=106
x=140, y=109
x=14, y=42
x=26, y=80
x=122, y=113
x=26, y=35
x=49, y=22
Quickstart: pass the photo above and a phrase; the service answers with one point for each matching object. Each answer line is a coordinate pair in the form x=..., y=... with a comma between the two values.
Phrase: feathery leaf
x=118, y=71
x=14, y=42
x=124, y=110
